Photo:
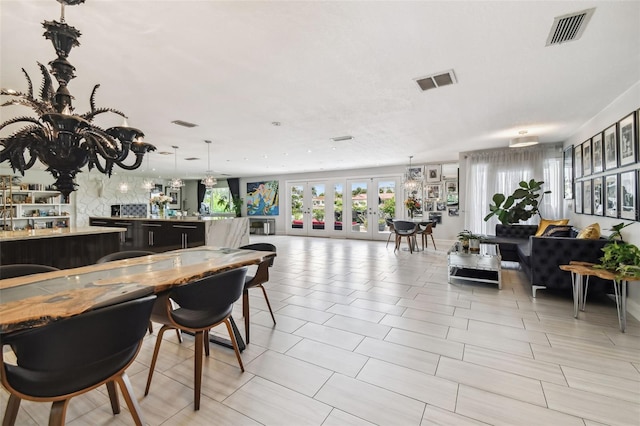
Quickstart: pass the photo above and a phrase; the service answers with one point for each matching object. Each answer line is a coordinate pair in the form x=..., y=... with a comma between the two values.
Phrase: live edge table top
x=35, y=300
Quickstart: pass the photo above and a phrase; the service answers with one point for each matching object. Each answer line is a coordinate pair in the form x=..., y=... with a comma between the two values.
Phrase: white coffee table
x=483, y=266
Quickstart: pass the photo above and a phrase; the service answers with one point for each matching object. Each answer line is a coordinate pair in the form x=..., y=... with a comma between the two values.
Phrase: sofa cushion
x=557, y=231
x=591, y=232
x=546, y=222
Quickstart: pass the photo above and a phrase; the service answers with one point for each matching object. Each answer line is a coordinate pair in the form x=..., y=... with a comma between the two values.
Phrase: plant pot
x=474, y=245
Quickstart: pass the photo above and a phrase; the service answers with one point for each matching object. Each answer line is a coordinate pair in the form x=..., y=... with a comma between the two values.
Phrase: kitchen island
x=59, y=247
x=160, y=235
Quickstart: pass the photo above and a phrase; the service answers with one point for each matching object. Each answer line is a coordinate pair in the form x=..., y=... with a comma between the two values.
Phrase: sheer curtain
x=490, y=172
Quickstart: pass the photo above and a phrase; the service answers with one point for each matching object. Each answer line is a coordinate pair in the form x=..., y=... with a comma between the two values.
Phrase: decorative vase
x=474, y=245
x=411, y=214
x=161, y=211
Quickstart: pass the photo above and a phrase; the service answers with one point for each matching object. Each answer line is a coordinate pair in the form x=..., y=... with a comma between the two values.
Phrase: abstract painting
x=262, y=198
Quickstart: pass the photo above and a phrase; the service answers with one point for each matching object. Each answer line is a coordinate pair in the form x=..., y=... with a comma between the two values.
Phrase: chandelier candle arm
x=60, y=139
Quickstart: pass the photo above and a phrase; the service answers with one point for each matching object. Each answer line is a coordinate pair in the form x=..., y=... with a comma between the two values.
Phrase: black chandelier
x=63, y=141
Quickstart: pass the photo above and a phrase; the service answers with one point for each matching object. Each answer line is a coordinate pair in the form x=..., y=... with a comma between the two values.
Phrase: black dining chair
x=392, y=231
x=405, y=228
x=425, y=229
x=22, y=269
x=257, y=280
x=72, y=356
x=203, y=304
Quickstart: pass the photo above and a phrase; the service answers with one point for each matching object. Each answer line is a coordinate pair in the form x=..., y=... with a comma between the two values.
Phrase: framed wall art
x=596, y=153
x=598, y=196
x=434, y=191
x=435, y=217
x=577, y=202
x=611, y=196
x=451, y=188
x=175, y=197
x=568, y=173
x=627, y=140
x=587, y=206
x=586, y=158
x=263, y=198
x=629, y=195
x=577, y=162
x=429, y=205
x=433, y=172
x=610, y=148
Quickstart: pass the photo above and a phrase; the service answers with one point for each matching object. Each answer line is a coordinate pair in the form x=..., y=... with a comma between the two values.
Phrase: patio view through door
x=372, y=201
x=309, y=213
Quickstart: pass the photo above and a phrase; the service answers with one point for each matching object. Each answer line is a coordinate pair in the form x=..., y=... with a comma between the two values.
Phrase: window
x=217, y=200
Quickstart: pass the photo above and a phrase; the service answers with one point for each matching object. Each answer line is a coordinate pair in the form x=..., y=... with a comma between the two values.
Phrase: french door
x=370, y=202
x=310, y=208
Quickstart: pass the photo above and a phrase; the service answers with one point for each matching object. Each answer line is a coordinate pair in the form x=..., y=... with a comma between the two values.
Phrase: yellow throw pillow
x=591, y=232
x=546, y=222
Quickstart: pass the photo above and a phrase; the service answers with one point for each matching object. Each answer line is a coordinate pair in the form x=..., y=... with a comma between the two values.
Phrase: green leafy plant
x=467, y=235
x=616, y=231
x=519, y=206
x=621, y=258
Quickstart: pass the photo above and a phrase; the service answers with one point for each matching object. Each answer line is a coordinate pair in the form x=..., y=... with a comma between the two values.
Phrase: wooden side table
x=580, y=270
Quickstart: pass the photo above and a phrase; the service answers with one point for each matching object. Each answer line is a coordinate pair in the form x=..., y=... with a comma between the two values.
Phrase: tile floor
x=369, y=336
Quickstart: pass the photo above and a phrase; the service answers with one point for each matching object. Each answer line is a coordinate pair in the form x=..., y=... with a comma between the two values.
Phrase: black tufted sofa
x=540, y=257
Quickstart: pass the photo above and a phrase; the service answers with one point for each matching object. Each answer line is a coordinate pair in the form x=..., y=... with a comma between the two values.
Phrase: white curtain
x=490, y=172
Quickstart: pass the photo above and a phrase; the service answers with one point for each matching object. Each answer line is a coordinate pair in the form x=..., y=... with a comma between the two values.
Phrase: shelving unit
x=31, y=206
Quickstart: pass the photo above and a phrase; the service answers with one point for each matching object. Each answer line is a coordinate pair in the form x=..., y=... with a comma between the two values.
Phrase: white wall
x=618, y=109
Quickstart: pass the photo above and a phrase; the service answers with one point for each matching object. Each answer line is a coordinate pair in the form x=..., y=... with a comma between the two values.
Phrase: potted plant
x=413, y=205
x=469, y=240
x=519, y=206
x=621, y=258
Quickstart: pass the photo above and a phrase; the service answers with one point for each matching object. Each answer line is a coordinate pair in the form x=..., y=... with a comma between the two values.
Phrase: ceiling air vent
x=342, y=138
x=192, y=158
x=184, y=123
x=569, y=27
x=437, y=80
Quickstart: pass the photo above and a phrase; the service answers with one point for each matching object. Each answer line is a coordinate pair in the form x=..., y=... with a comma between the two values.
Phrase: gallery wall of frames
x=601, y=174
x=438, y=195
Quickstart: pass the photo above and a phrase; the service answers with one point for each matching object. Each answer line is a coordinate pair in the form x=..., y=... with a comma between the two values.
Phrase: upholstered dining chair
x=392, y=231
x=404, y=228
x=425, y=229
x=22, y=269
x=72, y=356
x=203, y=304
x=257, y=280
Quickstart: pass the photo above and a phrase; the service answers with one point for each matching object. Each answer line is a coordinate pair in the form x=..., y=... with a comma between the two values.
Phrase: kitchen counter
x=55, y=233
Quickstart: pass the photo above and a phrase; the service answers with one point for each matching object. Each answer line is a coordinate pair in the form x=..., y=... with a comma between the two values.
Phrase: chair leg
x=197, y=369
x=206, y=342
x=434, y=242
x=179, y=334
x=398, y=239
x=266, y=298
x=155, y=357
x=129, y=397
x=410, y=244
x=234, y=343
x=113, y=397
x=150, y=327
x=58, y=412
x=12, y=411
x=389, y=239
x=245, y=313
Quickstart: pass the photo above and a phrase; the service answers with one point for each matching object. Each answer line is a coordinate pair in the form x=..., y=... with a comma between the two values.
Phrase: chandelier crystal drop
x=209, y=181
x=148, y=184
x=64, y=141
x=176, y=182
x=409, y=182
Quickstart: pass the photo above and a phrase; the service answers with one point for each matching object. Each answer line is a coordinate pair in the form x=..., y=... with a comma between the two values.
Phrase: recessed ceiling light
x=342, y=138
x=276, y=123
x=165, y=153
x=184, y=123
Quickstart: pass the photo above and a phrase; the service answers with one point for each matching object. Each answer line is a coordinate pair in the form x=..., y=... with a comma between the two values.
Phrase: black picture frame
x=577, y=162
x=597, y=156
x=157, y=188
x=586, y=158
x=435, y=217
x=610, y=146
x=629, y=195
x=611, y=196
x=568, y=172
x=627, y=140
x=587, y=195
x=175, y=197
x=598, y=196
x=577, y=202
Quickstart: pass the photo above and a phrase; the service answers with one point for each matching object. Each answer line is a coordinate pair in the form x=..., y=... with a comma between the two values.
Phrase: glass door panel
x=296, y=209
x=338, y=198
x=318, y=209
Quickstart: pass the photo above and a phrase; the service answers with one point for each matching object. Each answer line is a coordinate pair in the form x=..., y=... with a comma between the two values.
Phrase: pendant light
x=148, y=183
x=409, y=183
x=209, y=181
x=176, y=182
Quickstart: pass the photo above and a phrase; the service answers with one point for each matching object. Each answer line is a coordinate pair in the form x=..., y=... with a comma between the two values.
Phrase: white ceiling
x=329, y=69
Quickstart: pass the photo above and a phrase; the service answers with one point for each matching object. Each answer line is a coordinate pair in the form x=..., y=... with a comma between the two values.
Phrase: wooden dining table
x=37, y=300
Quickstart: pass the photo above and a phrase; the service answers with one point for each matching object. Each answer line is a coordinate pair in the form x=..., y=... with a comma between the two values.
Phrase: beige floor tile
x=287, y=289
x=494, y=318
x=498, y=343
x=353, y=325
x=354, y=312
x=210, y=410
x=405, y=356
x=308, y=302
x=417, y=326
x=522, y=366
x=369, y=402
x=603, y=384
x=603, y=349
x=492, y=380
x=378, y=307
x=508, y=332
x=290, y=372
x=432, y=317
x=166, y=396
x=426, y=343
x=340, y=418
x=438, y=308
x=284, y=323
x=451, y=300
x=330, y=335
x=592, y=406
x=272, y=339
x=375, y=297
x=329, y=357
x=499, y=410
x=271, y=404
x=414, y=384
x=305, y=314
x=434, y=416
x=331, y=297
